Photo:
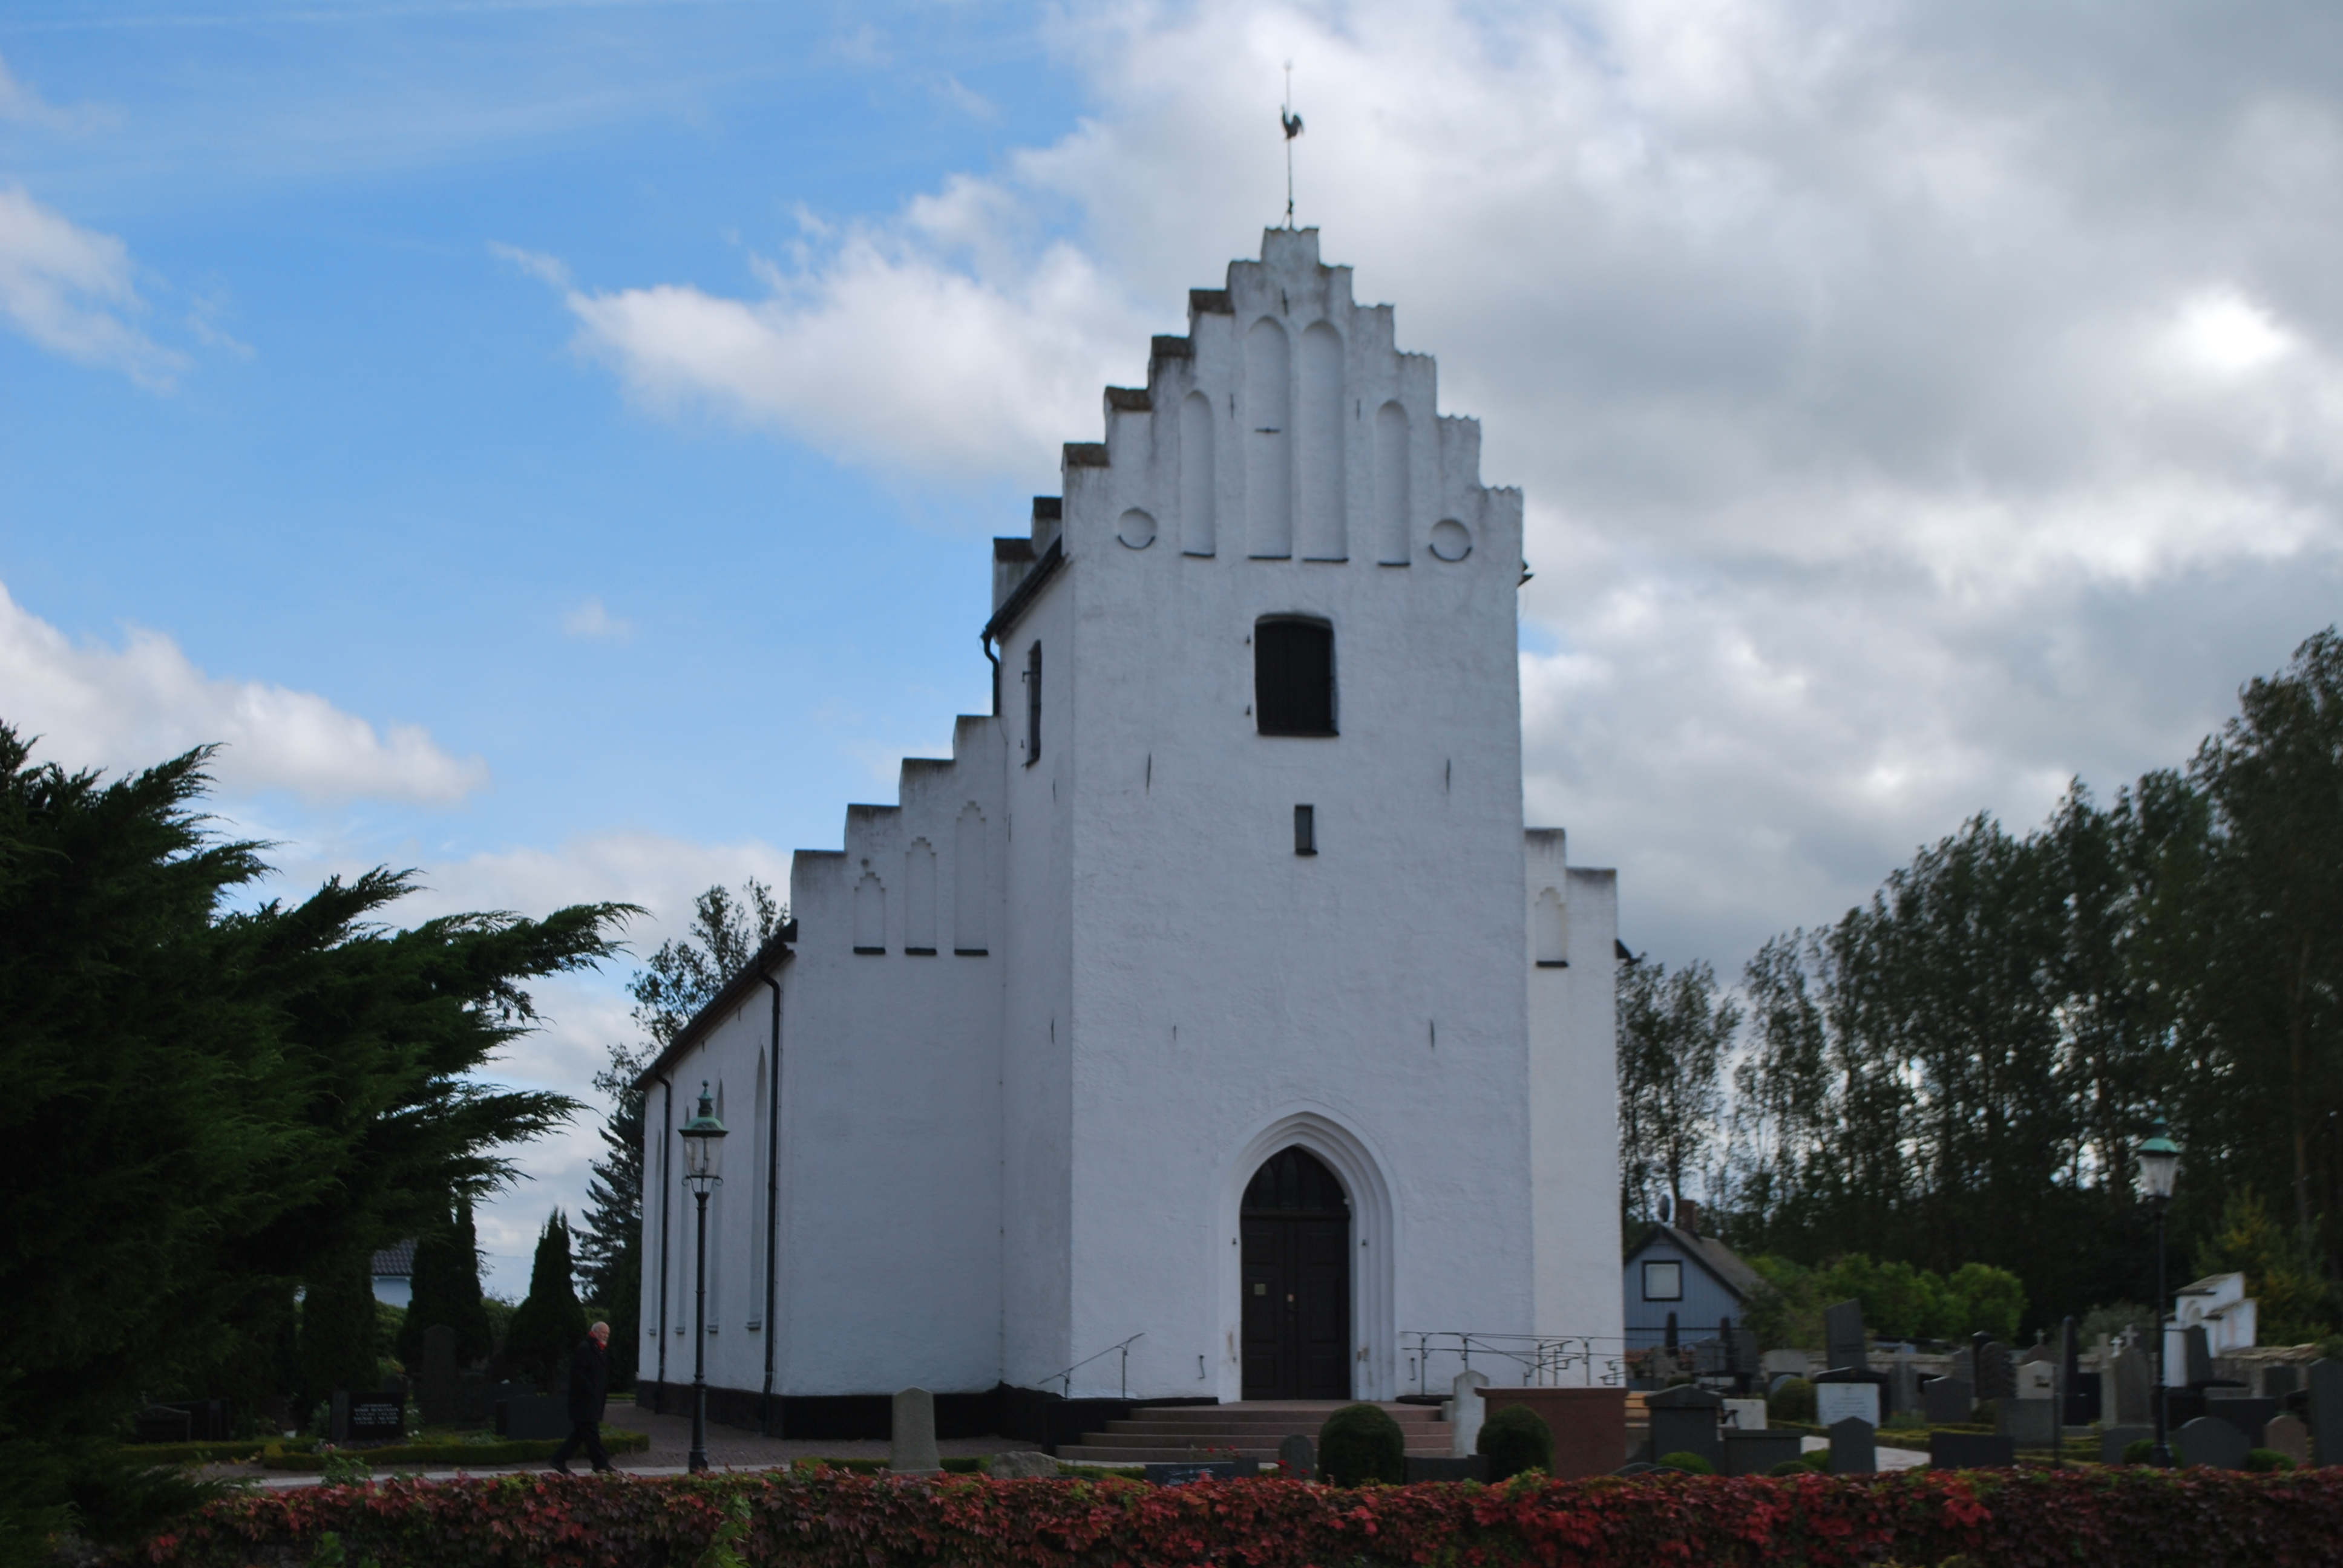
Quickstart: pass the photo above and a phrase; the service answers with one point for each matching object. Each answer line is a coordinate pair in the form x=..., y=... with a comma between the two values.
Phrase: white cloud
x=129, y=707
x=1889, y=454
x=592, y=619
x=70, y=290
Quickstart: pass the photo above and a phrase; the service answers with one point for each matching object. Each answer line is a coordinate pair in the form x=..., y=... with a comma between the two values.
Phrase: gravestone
x=2134, y=1384
x=912, y=1440
x=2247, y=1415
x=1757, y=1452
x=1964, y=1365
x=2196, y=1356
x=2288, y=1436
x=2210, y=1440
x=2084, y=1405
x=2028, y=1423
x=1970, y=1451
x=2326, y=1411
x=1904, y=1384
x=1854, y=1448
x=2114, y=1440
x=439, y=1393
x=1947, y=1401
x=1300, y=1455
x=1843, y=1337
x=377, y=1419
x=1838, y=1401
x=1470, y=1467
x=1466, y=1413
x=1179, y=1474
x=1026, y=1465
x=2279, y=1380
x=2037, y=1378
x=1745, y=1414
x=1784, y=1363
x=1745, y=1352
x=1996, y=1376
x=337, y=1417
x=1683, y=1420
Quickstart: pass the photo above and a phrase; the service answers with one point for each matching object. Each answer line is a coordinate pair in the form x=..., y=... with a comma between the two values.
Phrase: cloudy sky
x=552, y=442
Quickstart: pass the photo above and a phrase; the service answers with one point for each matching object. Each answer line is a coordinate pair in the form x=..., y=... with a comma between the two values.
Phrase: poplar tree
x=550, y=1322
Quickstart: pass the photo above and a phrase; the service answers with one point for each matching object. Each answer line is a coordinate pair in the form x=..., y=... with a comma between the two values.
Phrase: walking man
x=589, y=1386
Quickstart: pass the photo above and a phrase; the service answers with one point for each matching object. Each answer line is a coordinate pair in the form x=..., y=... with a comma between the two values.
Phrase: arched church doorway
x=1295, y=1224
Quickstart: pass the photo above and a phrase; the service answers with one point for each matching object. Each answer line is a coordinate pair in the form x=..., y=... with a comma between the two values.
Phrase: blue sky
x=554, y=443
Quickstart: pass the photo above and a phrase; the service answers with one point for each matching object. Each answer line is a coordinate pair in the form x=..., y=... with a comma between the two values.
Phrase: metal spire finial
x=1293, y=124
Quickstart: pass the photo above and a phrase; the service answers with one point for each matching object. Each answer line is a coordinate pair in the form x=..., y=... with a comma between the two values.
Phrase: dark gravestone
x=1947, y=1401
x=377, y=1419
x=2247, y=1415
x=1843, y=1337
x=1684, y=1419
x=1854, y=1448
x=337, y=1417
x=526, y=1417
x=2210, y=1440
x=2279, y=1381
x=2326, y=1406
x=439, y=1393
x=1757, y=1452
x=1963, y=1366
x=2182, y=1404
x=2028, y=1423
x=2134, y=1384
x=2196, y=1356
x=1997, y=1375
x=2114, y=1440
x=2084, y=1405
x=1300, y=1455
x=1970, y=1451
x=1473, y=1467
x=1214, y=1470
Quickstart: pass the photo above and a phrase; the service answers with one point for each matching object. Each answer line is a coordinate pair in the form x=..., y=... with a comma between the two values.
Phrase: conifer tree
x=549, y=1322
x=338, y=1329
x=447, y=1289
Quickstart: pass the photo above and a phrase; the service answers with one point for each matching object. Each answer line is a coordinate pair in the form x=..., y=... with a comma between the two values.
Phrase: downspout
x=667, y=1134
x=984, y=641
x=772, y=1205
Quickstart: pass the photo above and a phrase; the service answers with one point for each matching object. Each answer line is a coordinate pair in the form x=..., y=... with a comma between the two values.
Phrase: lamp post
x=703, y=1164
x=2159, y=1163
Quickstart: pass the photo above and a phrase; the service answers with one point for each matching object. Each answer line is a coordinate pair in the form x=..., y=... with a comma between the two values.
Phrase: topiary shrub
x=1792, y=1467
x=2138, y=1450
x=1362, y=1443
x=1685, y=1460
x=1515, y=1439
x=1793, y=1401
x=2267, y=1459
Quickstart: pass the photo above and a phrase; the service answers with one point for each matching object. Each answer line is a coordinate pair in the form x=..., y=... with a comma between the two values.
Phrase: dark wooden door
x=1295, y=1229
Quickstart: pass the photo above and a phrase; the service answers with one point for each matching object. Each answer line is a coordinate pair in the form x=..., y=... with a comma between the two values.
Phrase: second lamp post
x=703, y=1164
x=2159, y=1163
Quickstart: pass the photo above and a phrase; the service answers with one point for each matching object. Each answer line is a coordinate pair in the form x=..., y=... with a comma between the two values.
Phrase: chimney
x=1688, y=1217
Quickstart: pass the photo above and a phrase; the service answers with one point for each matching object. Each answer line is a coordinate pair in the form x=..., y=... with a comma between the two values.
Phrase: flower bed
x=2010, y=1519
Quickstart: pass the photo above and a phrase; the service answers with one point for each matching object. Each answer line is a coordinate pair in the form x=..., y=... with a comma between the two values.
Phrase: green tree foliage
x=686, y=971
x=445, y=1289
x=2294, y=1305
x=1899, y=1300
x=1674, y=1032
x=212, y=1099
x=339, y=1331
x=550, y=1321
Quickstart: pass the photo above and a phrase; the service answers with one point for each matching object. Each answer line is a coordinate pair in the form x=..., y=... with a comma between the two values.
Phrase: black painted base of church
x=1030, y=1415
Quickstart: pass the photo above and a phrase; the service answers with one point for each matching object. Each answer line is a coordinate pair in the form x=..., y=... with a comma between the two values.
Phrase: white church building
x=1212, y=1000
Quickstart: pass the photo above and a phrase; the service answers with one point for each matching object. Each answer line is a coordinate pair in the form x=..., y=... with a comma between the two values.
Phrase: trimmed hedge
x=2096, y=1518
x=1362, y=1443
x=510, y=1451
x=1513, y=1439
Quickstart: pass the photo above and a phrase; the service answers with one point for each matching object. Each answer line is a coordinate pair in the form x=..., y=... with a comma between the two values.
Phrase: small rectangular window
x=1032, y=704
x=1293, y=676
x=1664, y=1282
x=1305, y=829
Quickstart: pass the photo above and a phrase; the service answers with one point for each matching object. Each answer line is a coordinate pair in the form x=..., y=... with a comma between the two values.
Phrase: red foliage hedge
x=2007, y=1519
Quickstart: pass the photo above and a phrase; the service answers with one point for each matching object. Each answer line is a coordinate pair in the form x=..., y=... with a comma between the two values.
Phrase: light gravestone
x=439, y=1393
x=912, y=1449
x=2210, y=1440
x=1903, y=1383
x=1838, y=1401
x=1745, y=1414
x=1854, y=1448
x=2135, y=1386
x=1842, y=1335
x=2326, y=1411
x=2036, y=1379
x=1300, y=1455
x=2286, y=1435
x=1467, y=1411
x=1947, y=1401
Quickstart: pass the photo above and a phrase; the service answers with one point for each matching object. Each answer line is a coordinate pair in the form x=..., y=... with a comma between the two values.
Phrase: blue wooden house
x=1676, y=1274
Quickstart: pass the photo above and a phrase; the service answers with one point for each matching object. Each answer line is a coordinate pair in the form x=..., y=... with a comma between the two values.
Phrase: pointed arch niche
x=1269, y=442
x=1373, y=1247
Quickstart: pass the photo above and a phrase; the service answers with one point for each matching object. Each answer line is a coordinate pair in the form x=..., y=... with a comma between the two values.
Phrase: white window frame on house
x=1676, y=1294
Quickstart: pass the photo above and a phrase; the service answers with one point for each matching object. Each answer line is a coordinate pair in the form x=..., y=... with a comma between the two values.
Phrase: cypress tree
x=447, y=1289
x=549, y=1322
x=338, y=1329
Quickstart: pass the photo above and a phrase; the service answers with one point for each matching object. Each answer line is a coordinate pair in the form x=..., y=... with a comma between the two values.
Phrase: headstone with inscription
x=2210, y=1440
x=1843, y=1337
x=1745, y=1414
x=1854, y=1448
x=2326, y=1411
x=1838, y=1401
x=2286, y=1435
x=377, y=1419
x=1947, y=1401
x=439, y=1392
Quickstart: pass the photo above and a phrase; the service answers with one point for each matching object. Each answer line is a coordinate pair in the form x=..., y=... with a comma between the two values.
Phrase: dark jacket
x=589, y=1380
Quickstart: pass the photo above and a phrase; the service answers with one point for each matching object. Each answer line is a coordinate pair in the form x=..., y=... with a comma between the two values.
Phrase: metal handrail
x=1546, y=1360
x=1067, y=1376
